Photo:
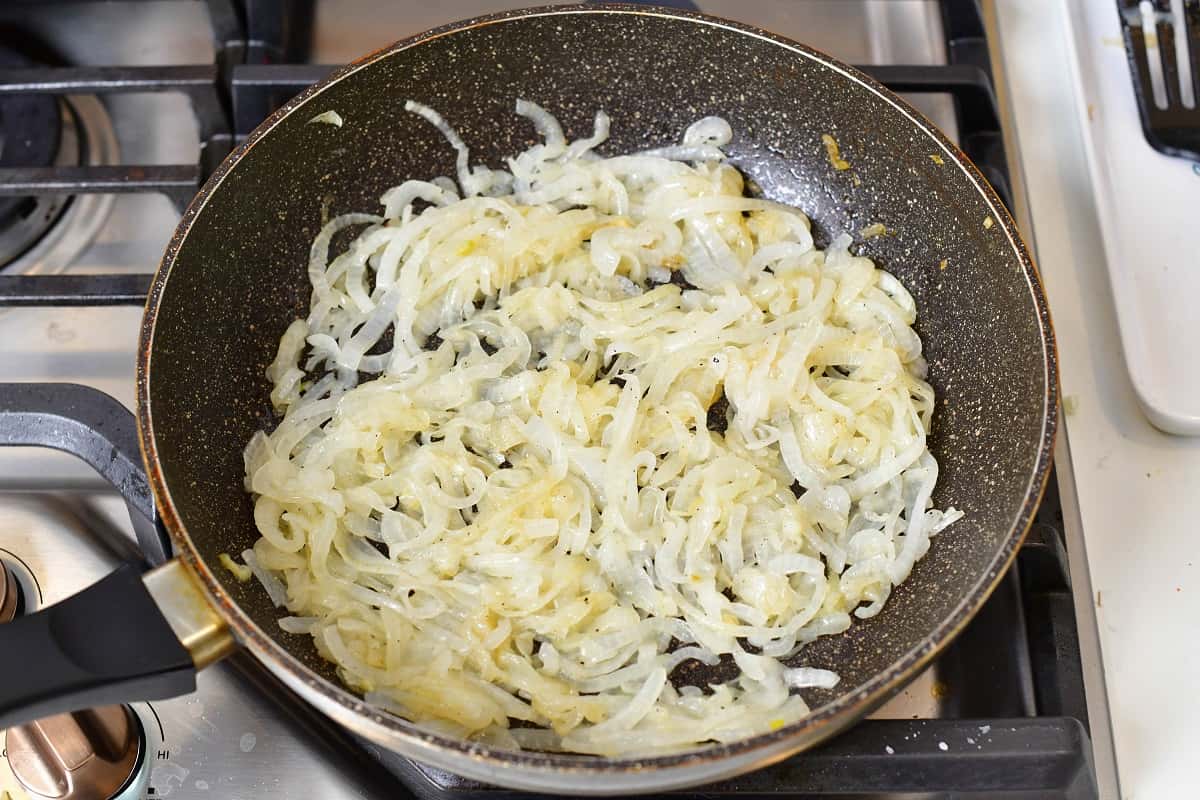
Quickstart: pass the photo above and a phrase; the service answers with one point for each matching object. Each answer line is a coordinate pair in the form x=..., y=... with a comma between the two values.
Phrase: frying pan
x=234, y=276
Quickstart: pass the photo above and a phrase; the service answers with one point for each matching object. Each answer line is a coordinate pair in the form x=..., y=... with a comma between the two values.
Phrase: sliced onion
x=532, y=507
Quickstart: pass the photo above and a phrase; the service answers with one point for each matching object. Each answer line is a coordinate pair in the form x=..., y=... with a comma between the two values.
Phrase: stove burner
x=45, y=233
x=31, y=135
x=29, y=129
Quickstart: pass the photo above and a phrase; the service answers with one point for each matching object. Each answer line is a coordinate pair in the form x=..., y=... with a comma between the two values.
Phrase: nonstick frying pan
x=234, y=276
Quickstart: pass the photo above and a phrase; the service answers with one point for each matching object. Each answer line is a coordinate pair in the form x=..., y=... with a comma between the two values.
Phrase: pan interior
x=237, y=274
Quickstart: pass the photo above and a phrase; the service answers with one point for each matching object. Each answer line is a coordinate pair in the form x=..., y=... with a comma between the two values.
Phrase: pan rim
x=825, y=720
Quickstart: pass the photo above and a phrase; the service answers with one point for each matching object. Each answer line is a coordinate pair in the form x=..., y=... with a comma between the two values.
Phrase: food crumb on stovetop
x=988, y=222
x=935, y=158
x=1070, y=404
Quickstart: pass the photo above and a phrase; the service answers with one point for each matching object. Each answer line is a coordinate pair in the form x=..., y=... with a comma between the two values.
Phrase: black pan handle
x=130, y=636
x=94, y=427
x=108, y=644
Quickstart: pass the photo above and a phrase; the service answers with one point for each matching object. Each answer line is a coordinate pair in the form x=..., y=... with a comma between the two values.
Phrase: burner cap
x=30, y=135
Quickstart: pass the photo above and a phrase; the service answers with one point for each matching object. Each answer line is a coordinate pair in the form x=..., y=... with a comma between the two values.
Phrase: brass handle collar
x=180, y=596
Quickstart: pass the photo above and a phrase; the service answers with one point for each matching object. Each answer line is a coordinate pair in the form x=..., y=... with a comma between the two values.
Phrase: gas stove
x=112, y=116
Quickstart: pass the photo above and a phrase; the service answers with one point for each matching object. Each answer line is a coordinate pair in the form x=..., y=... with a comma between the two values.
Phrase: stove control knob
x=95, y=754
x=10, y=594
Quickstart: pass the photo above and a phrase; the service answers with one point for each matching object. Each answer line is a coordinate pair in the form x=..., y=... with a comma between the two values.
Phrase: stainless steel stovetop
x=61, y=528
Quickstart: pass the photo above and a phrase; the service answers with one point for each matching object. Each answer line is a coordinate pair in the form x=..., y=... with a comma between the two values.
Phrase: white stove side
x=1136, y=486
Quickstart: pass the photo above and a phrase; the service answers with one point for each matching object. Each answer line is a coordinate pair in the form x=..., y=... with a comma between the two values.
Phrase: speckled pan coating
x=234, y=276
